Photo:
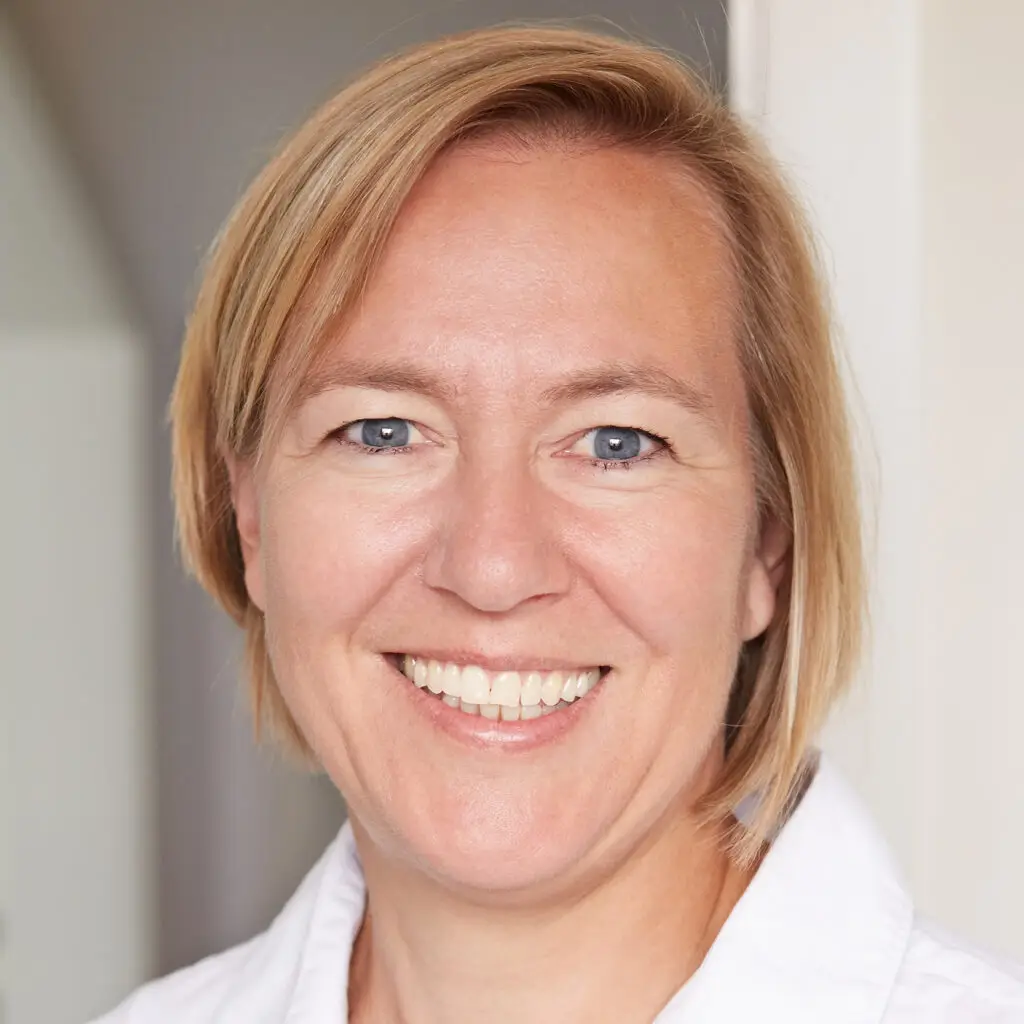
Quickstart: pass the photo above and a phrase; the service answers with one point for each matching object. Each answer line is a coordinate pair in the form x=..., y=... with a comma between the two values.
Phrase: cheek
x=330, y=550
x=673, y=568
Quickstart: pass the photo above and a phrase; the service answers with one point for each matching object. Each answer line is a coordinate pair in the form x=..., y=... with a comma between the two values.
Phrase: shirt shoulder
x=251, y=982
x=198, y=994
x=944, y=980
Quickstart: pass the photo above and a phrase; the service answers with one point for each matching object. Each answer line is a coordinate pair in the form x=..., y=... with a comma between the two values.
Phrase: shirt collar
x=320, y=992
x=819, y=934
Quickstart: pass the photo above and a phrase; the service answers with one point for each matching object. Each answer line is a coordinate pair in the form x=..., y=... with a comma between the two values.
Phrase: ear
x=767, y=573
x=245, y=502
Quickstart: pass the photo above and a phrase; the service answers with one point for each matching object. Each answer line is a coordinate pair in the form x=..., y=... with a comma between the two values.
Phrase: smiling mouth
x=509, y=696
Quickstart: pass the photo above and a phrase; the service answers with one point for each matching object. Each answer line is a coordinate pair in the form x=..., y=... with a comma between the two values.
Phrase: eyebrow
x=620, y=378
x=381, y=375
x=606, y=379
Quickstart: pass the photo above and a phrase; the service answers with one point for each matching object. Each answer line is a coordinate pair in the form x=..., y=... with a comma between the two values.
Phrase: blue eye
x=619, y=443
x=371, y=435
x=610, y=447
x=390, y=433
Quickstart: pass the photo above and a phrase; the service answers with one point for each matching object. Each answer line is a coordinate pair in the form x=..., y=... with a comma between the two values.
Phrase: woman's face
x=524, y=461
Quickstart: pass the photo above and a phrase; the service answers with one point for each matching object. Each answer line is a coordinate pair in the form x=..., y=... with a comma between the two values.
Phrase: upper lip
x=501, y=662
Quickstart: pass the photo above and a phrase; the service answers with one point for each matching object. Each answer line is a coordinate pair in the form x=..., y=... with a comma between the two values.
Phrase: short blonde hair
x=325, y=205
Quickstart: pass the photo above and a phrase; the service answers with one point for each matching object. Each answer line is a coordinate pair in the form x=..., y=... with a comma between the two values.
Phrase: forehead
x=541, y=261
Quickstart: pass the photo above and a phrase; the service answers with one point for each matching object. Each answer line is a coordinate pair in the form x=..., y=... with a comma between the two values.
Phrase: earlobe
x=767, y=574
x=247, y=522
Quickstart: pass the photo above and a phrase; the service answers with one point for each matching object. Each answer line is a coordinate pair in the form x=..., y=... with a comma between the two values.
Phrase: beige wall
x=972, y=164
x=902, y=124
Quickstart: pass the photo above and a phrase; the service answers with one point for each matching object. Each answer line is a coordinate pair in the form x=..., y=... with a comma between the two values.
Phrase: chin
x=490, y=866
x=483, y=843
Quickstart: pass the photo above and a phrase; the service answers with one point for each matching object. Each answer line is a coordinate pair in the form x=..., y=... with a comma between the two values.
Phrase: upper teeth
x=474, y=685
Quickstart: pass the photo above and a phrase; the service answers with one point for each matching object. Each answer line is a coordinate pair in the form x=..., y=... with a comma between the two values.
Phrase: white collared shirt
x=824, y=934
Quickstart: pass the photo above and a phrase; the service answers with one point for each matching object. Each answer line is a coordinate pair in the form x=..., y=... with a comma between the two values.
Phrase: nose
x=496, y=548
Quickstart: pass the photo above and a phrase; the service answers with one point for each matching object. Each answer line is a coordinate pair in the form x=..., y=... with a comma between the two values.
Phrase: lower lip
x=486, y=733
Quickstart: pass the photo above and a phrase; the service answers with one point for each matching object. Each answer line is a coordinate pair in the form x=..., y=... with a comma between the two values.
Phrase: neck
x=617, y=952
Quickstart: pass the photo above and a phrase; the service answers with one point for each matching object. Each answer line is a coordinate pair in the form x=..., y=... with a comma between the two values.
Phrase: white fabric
x=824, y=933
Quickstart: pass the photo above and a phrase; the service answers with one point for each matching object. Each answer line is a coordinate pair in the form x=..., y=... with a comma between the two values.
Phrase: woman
x=508, y=426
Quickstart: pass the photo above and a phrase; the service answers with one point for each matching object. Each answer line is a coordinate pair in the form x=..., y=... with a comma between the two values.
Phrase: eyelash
x=664, y=447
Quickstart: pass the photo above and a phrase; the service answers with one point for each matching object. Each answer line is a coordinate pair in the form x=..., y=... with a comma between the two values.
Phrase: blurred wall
x=972, y=161
x=76, y=857
x=169, y=107
x=901, y=123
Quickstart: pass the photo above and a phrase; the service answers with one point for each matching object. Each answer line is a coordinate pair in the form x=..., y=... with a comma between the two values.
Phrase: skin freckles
x=508, y=278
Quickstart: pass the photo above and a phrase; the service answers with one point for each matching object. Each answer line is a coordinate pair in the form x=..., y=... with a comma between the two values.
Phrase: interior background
x=139, y=827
